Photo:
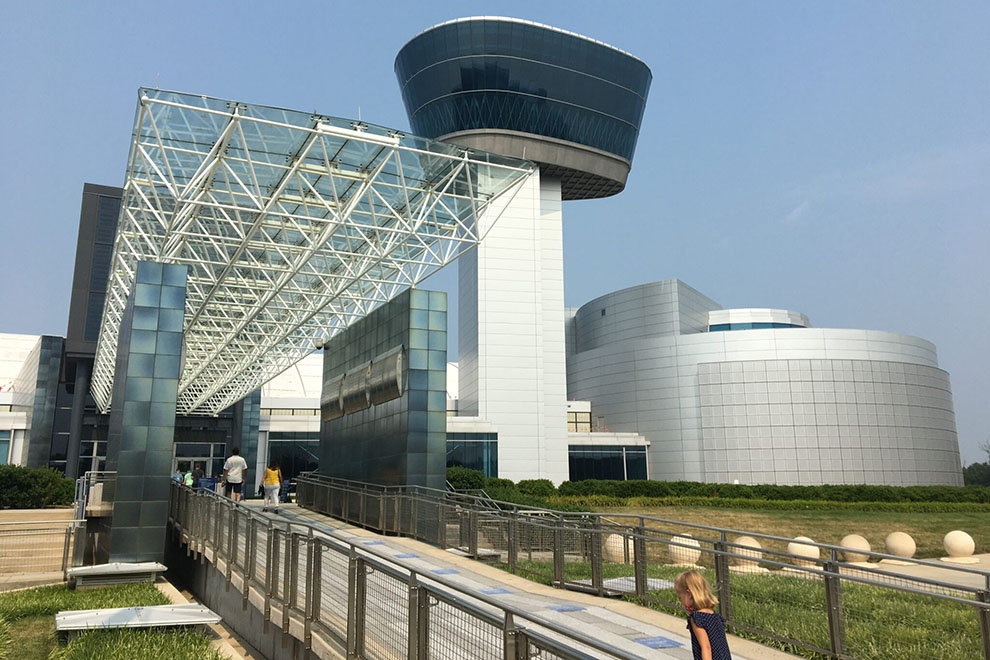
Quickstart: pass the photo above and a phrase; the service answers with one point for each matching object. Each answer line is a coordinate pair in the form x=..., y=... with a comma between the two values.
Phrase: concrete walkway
x=944, y=572
x=639, y=631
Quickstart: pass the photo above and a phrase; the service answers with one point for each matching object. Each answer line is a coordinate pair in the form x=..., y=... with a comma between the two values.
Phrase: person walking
x=707, y=627
x=233, y=475
x=198, y=475
x=272, y=484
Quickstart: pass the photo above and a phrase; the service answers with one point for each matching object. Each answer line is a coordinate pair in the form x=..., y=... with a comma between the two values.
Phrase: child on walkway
x=707, y=628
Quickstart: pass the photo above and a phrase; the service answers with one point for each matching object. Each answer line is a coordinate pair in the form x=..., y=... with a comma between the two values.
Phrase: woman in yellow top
x=272, y=483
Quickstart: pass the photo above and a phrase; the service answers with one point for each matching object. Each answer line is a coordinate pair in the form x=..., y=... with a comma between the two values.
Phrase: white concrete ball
x=752, y=549
x=900, y=544
x=855, y=542
x=959, y=544
x=801, y=547
x=682, y=555
x=612, y=550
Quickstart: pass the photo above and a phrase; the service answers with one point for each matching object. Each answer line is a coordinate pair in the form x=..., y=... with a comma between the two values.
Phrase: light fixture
x=361, y=136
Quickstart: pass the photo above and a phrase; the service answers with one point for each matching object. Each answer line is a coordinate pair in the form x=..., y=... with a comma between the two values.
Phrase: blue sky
x=829, y=157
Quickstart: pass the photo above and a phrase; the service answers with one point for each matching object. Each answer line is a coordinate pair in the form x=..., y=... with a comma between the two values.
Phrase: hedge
x=34, y=488
x=462, y=478
x=587, y=502
x=836, y=493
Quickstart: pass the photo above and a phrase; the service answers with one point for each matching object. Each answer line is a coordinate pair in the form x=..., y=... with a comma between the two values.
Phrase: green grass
x=880, y=623
x=142, y=644
x=28, y=617
x=6, y=641
x=48, y=601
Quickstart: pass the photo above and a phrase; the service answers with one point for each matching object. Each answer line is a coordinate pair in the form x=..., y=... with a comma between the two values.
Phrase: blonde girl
x=707, y=627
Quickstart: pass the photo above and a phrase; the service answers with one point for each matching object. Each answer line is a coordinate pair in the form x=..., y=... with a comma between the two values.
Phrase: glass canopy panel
x=293, y=226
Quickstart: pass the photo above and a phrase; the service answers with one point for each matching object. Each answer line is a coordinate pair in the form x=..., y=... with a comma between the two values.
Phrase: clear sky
x=829, y=157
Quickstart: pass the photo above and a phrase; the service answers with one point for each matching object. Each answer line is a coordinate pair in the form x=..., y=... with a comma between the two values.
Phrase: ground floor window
x=209, y=456
x=4, y=447
x=606, y=462
x=477, y=451
x=295, y=452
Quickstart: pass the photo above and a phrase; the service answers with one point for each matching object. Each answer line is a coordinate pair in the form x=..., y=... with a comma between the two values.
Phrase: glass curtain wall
x=296, y=452
x=607, y=462
x=476, y=451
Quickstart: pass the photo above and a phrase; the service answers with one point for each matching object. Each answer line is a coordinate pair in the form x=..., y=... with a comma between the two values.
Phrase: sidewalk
x=637, y=630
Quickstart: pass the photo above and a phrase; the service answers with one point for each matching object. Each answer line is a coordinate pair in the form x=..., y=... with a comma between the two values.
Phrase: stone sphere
x=958, y=544
x=752, y=549
x=801, y=546
x=682, y=555
x=900, y=544
x=855, y=542
x=612, y=550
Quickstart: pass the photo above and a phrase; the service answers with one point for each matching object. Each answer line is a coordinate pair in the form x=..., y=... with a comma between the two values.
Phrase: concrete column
x=142, y=411
x=511, y=331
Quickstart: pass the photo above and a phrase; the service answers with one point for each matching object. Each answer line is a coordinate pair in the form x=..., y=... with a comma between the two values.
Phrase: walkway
x=639, y=631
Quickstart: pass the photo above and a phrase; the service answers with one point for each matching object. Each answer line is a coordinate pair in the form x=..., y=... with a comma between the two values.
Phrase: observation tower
x=572, y=105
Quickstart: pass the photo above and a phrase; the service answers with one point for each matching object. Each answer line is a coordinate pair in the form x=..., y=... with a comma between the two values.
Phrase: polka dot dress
x=712, y=624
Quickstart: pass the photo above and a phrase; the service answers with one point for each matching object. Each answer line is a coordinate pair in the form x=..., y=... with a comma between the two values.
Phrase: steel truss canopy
x=293, y=226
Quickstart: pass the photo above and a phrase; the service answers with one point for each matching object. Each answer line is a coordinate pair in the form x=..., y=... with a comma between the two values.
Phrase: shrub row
x=33, y=488
x=588, y=502
x=616, y=493
x=842, y=493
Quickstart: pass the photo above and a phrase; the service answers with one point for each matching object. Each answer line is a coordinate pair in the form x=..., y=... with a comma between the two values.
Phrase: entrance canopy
x=293, y=226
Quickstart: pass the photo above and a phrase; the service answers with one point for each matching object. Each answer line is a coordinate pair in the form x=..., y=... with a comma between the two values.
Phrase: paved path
x=944, y=572
x=637, y=630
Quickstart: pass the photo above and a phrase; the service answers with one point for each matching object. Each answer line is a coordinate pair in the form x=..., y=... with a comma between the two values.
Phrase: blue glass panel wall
x=402, y=441
x=36, y=393
x=247, y=419
x=512, y=75
x=142, y=413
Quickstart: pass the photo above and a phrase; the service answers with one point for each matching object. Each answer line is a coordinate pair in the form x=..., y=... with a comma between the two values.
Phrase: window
x=723, y=327
x=296, y=452
x=477, y=451
x=4, y=447
x=607, y=462
x=209, y=455
x=579, y=421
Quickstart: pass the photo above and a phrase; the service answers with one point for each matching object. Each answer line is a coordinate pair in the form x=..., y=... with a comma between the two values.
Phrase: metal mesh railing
x=760, y=588
x=354, y=595
x=37, y=547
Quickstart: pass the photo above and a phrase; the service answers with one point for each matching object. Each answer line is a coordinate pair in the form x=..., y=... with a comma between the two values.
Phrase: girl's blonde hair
x=695, y=584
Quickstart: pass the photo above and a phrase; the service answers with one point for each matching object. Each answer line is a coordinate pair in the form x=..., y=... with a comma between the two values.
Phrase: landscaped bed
x=27, y=627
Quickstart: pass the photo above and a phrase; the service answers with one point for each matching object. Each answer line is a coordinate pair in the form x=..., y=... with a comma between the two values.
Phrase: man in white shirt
x=233, y=475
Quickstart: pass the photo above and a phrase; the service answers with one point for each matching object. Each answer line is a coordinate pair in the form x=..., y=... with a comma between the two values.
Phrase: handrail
x=582, y=537
x=511, y=506
x=439, y=586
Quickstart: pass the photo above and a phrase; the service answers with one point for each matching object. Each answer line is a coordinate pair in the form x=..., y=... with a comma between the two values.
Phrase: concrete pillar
x=511, y=331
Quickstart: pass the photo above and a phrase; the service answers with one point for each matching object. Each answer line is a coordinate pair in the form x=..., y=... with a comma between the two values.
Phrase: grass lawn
x=880, y=624
x=927, y=529
x=30, y=618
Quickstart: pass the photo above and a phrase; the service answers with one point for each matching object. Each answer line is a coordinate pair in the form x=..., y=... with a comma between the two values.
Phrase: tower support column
x=511, y=331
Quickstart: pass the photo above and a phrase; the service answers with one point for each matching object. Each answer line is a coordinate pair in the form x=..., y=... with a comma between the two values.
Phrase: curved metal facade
x=510, y=75
x=785, y=406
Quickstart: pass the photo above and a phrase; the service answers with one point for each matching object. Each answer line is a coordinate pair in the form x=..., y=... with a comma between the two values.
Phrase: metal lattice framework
x=293, y=226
